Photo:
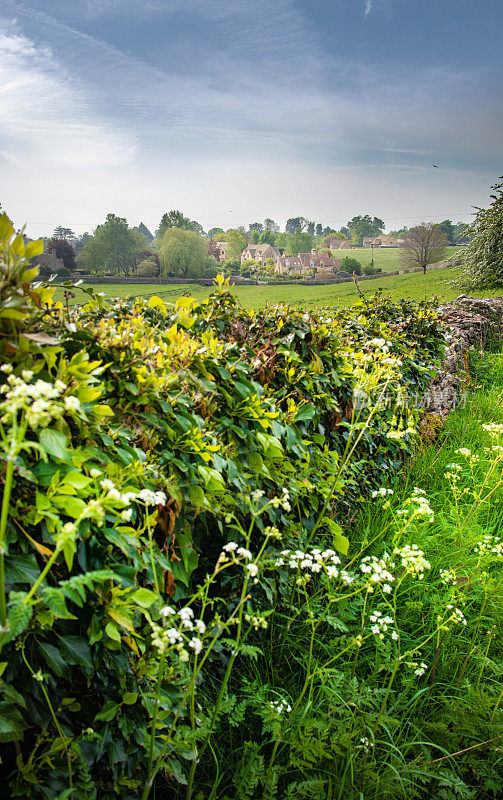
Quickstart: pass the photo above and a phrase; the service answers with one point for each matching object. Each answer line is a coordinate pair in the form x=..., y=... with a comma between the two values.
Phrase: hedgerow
x=163, y=467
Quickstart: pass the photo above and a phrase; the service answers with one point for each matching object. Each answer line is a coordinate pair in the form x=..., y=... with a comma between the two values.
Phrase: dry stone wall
x=469, y=323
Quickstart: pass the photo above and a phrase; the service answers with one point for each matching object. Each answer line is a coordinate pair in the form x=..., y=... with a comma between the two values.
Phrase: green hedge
x=138, y=438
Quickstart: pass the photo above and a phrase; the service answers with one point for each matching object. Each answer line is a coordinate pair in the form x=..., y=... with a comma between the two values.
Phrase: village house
x=49, y=261
x=336, y=243
x=218, y=250
x=260, y=253
x=383, y=240
x=306, y=261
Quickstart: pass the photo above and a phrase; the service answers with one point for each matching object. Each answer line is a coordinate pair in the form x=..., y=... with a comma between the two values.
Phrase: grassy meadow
x=387, y=258
x=414, y=286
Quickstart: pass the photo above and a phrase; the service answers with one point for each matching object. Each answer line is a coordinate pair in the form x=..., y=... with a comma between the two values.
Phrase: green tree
x=255, y=226
x=295, y=223
x=237, y=243
x=267, y=237
x=270, y=225
x=423, y=245
x=484, y=253
x=175, y=219
x=299, y=243
x=360, y=227
x=114, y=247
x=182, y=253
x=213, y=232
x=254, y=237
x=350, y=265
x=145, y=232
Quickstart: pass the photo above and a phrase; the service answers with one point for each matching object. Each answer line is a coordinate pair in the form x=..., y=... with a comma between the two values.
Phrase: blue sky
x=234, y=110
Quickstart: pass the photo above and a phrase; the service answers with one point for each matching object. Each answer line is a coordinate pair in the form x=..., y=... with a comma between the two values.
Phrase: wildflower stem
x=3, y=526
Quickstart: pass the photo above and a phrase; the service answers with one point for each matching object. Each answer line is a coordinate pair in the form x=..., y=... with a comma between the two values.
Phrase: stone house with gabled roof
x=306, y=261
x=218, y=249
x=260, y=253
x=383, y=240
x=336, y=243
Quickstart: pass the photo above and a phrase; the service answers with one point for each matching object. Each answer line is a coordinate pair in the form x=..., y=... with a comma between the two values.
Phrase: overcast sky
x=237, y=110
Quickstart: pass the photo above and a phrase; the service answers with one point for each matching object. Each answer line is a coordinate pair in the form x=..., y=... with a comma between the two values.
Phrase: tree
x=175, y=219
x=182, y=253
x=423, y=245
x=299, y=243
x=295, y=223
x=319, y=229
x=255, y=226
x=213, y=233
x=350, y=265
x=114, y=246
x=64, y=233
x=484, y=253
x=254, y=237
x=360, y=227
x=236, y=242
x=270, y=225
x=448, y=228
x=63, y=250
x=267, y=237
x=81, y=243
x=145, y=232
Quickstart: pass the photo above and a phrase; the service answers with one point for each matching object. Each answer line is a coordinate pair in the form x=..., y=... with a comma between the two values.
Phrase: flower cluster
x=182, y=624
x=382, y=492
x=456, y=615
x=419, y=668
x=256, y=621
x=448, y=577
x=315, y=561
x=417, y=506
x=42, y=402
x=412, y=560
x=233, y=552
x=378, y=572
x=280, y=706
x=493, y=429
x=380, y=625
x=490, y=545
x=366, y=744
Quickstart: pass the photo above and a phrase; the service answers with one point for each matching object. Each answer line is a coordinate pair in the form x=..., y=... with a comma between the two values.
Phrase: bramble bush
x=179, y=585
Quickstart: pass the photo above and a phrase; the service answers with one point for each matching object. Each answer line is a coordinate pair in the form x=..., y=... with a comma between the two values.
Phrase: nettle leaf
x=19, y=616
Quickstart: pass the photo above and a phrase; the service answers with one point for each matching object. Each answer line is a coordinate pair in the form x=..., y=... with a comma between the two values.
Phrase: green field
x=387, y=258
x=416, y=286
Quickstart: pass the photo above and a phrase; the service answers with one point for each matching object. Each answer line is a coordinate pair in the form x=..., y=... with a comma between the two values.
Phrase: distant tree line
x=180, y=244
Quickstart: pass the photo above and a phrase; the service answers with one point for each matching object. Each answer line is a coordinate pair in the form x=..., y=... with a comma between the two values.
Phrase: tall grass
x=337, y=707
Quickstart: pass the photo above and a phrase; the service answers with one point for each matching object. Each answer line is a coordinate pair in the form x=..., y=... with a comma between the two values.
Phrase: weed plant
x=391, y=688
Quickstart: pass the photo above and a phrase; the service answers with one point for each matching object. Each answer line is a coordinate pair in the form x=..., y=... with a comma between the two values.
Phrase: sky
x=236, y=110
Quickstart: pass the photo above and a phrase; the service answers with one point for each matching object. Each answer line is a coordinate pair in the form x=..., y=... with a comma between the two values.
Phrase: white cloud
x=46, y=119
x=368, y=7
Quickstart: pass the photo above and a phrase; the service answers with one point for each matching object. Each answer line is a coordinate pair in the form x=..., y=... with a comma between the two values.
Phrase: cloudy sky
x=234, y=110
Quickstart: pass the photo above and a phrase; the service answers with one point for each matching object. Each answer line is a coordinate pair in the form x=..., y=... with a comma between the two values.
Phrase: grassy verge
x=393, y=691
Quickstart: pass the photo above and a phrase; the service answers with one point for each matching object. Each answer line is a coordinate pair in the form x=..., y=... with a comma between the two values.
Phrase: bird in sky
x=436, y=166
